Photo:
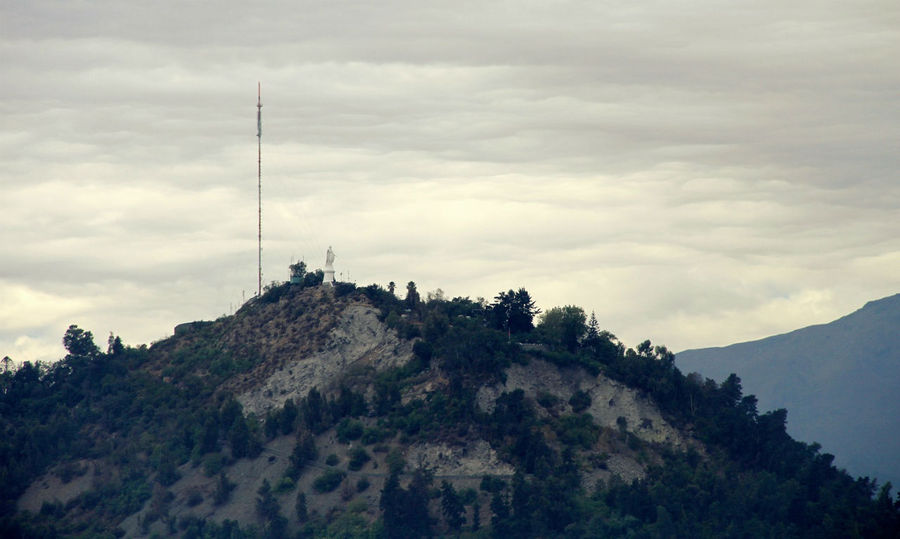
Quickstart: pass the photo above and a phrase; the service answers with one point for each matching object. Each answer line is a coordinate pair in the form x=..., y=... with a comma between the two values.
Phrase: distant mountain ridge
x=839, y=382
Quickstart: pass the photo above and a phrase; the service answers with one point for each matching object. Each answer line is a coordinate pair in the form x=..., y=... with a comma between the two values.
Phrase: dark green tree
x=240, y=438
x=513, y=312
x=80, y=344
x=580, y=401
x=501, y=524
x=452, y=507
x=300, y=507
x=298, y=272
x=288, y=416
x=266, y=505
x=223, y=489
x=405, y=511
x=563, y=327
x=412, y=295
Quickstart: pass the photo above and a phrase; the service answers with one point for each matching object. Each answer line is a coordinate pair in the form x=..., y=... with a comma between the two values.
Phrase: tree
x=593, y=328
x=392, y=286
x=391, y=504
x=313, y=278
x=405, y=511
x=500, y=521
x=412, y=295
x=304, y=452
x=288, y=415
x=114, y=346
x=452, y=507
x=80, y=343
x=579, y=401
x=513, y=312
x=298, y=272
x=240, y=438
x=300, y=508
x=563, y=326
x=266, y=505
x=223, y=489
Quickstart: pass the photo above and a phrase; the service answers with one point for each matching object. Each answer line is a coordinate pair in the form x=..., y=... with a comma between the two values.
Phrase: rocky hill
x=839, y=381
x=347, y=412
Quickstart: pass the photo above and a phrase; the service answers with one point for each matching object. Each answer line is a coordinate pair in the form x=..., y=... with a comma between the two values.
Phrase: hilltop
x=839, y=381
x=345, y=411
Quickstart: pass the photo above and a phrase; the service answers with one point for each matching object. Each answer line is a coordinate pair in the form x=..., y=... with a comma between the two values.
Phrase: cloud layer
x=697, y=175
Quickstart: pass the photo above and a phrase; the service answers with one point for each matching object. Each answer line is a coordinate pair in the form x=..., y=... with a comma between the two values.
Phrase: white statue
x=329, y=268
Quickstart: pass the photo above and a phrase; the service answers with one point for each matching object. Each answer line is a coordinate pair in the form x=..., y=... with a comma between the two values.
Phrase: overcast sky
x=696, y=173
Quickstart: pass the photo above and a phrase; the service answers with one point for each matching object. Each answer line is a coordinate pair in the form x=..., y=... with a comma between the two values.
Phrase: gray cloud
x=697, y=175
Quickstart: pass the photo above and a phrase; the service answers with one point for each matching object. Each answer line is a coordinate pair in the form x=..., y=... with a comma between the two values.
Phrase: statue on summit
x=329, y=268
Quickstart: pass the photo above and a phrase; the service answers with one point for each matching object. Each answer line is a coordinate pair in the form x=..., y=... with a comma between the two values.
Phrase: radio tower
x=259, y=181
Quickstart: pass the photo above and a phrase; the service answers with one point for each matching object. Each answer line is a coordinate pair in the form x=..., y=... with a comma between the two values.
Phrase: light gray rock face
x=474, y=460
x=359, y=339
x=610, y=400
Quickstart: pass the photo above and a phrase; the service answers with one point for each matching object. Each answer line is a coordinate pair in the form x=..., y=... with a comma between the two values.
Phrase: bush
x=348, y=430
x=362, y=485
x=358, y=458
x=328, y=481
x=492, y=484
x=423, y=350
x=332, y=460
x=577, y=430
x=342, y=289
x=212, y=464
x=580, y=401
x=195, y=498
x=285, y=484
x=374, y=435
x=547, y=400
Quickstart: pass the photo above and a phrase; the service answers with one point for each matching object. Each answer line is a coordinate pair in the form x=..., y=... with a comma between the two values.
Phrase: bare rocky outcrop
x=358, y=340
x=610, y=400
x=472, y=460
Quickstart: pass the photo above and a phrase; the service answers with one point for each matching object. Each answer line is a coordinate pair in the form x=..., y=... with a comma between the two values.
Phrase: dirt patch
x=83, y=476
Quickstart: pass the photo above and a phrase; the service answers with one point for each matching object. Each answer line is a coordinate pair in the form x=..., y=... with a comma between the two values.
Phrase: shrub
x=362, y=485
x=492, y=484
x=577, y=430
x=547, y=400
x=468, y=496
x=580, y=401
x=195, y=498
x=342, y=289
x=348, y=430
x=212, y=464
x=358, y=458
x=374, y=435
x=285, y=484
x=332, y=460
x=328, y=481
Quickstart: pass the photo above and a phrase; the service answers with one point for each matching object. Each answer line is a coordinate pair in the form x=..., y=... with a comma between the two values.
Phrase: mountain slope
x=838, y=381
x=322, y=412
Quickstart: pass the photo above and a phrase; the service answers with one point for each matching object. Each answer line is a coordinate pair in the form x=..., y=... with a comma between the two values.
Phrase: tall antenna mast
x=259, y=180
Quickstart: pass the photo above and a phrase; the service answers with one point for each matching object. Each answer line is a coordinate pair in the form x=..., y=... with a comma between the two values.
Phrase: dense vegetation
x=146, y=417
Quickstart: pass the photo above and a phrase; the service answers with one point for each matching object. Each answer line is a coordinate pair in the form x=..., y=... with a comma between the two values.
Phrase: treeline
x=755, y=480
x=755, y=466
